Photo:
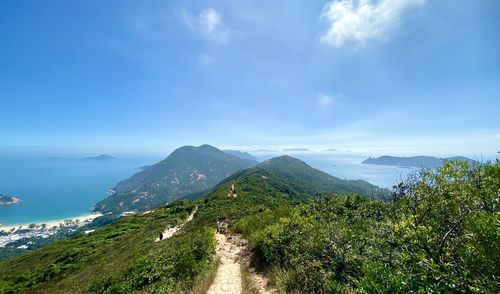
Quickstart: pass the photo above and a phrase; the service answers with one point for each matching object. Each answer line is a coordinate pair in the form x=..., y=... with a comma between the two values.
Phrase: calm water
x=58, y=188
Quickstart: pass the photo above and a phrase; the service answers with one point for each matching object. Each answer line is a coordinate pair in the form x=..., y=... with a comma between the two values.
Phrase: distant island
x=102, y=157
x=330, y=150
x=7, y=200
x=297, y=149
x=414, y=161
x=241, y=154
x=264, y=150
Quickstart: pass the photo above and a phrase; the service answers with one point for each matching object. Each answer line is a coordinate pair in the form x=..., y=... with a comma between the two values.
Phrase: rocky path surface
x=232, y=252
x=169, y=232
x=228, y=278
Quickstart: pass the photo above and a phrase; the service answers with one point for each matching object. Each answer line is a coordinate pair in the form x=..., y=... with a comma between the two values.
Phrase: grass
x=203, y=282
x=116, y=257
x=247, y=281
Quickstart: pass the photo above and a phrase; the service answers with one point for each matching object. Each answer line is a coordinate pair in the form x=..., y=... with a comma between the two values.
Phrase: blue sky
x=143, y=77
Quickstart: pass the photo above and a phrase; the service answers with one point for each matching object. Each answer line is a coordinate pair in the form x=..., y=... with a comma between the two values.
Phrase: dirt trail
x=169, y=232
x=233, y=252
x=228, y=278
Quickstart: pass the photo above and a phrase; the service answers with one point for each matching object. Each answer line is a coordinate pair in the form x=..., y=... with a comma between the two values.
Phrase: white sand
x=53, y=223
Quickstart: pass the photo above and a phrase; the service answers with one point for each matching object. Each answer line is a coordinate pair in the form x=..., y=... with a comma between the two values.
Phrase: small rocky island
x=7, y=200
x=102, y=157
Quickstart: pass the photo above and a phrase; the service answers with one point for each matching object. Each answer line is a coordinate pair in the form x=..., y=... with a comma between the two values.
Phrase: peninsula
x=415, y=161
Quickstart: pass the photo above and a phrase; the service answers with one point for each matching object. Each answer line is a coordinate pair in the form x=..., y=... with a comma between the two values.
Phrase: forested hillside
x=187, y=172
x=437, y=233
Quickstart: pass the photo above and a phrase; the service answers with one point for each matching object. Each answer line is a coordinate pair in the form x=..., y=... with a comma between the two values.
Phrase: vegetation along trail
x=169, y=232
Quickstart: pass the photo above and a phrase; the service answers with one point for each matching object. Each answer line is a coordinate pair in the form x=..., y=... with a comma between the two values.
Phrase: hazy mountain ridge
x=414, y=161
x=242, y=155
x=187, y=171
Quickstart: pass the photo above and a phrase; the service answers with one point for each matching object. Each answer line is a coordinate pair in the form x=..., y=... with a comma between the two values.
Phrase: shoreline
x=63, y=222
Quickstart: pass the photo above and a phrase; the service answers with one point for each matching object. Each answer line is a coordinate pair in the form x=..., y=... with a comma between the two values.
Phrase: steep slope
x=336, y=244
x=415, y=161
x=313, y=182
x=187, y=171
x=123, y=257
x=118, y=258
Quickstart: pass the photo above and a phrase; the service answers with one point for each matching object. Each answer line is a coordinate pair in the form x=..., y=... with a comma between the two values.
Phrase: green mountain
x=187, y=172
x=415, y=161
x=437, y=235
x=314, y=182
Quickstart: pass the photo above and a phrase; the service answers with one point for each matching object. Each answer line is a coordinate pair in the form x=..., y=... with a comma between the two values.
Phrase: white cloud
x=209, y=24
x=357, y=21
x=325, y=101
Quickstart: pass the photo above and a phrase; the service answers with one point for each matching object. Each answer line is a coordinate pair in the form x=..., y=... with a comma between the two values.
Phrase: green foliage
x=310, y=182
x=11, y=250
x=187, y=172
x=175, y=265
x=319, y=246
x=118, y=258
x=438, y=233
x=447, y=223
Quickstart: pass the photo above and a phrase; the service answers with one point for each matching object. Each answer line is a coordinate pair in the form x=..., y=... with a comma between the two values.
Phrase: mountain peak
x=283, y=159
x=208, y=147
x=186, y=172
x=318, y=182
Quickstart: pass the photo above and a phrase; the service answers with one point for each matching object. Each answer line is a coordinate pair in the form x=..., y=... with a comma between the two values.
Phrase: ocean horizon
x=58, y=188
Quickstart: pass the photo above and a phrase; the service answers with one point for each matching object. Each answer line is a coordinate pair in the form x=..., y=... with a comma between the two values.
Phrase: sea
x=58, y=188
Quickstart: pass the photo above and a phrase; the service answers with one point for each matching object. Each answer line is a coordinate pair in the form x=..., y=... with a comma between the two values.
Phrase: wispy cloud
x=325, y=101
x=209, y=24
x=357, y=21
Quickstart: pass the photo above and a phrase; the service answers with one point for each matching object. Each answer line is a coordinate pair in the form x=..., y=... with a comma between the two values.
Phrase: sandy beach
x=80, y=220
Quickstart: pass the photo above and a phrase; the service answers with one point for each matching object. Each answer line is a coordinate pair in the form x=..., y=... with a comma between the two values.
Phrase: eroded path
x=233, y=252
x=228, y=278
x=169, y=232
